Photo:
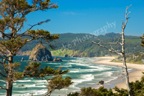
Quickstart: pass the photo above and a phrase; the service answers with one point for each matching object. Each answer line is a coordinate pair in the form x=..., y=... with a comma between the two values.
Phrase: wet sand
x=134, y=75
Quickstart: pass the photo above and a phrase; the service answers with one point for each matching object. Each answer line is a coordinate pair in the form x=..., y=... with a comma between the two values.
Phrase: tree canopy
x=13, y=16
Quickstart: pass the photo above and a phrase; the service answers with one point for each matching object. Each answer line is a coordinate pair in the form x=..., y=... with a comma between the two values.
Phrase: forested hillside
x=81, y=44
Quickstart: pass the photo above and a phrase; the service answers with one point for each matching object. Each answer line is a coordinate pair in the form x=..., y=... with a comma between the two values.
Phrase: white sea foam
x=93, y=68
x=84, y=78
x=40, y=92
x=85, y=70
x=74, y=71
x=104, y=74
x=68, y=65
x=34, y=81
x=29, y=85
x=100, y=68
x=108, y=73
x=37, y=83
x=32, y=92
x=80, y=64
x=88, y=77
x=23, y=81
x=82, y=70
x=109, y=80
x=40, y=81
x=2, y=81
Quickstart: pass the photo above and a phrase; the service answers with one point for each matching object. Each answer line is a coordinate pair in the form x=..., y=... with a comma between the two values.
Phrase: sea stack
x=40, y=53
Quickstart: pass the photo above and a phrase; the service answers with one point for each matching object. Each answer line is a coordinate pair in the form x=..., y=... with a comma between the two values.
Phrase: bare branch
x=118, y=42
x=21, y=25
x=127, y=12
x=109, y=49
x=31, y=26
x=4, y=35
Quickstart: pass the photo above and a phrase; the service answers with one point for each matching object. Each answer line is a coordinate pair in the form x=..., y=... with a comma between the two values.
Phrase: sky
x=91, y=16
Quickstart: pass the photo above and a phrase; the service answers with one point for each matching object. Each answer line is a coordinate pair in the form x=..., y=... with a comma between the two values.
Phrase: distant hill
x=81, y=44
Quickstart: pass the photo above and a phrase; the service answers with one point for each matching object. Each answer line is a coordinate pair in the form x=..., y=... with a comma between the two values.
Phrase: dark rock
x=76, y=56
x=40, y=53
x=57, y=60
x=101, y=82
x=66, y=55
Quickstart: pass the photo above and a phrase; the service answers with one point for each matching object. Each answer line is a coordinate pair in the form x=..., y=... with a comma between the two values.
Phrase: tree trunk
x=125, y=65
x=9, y=84
x=49, y=92
x=9, y=88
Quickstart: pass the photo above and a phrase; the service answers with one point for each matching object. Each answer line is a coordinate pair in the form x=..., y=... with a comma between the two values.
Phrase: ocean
x=83, y=71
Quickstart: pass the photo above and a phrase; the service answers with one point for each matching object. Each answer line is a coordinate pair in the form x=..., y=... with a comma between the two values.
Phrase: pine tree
x=13, y=15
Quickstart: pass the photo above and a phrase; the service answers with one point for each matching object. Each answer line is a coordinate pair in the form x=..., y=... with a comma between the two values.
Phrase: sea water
x=83, y=71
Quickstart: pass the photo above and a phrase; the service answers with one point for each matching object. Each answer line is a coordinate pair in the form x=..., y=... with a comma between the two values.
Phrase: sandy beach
x=136, y=74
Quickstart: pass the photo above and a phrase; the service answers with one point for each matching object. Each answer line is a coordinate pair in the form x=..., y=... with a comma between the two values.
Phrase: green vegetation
x=13, y=17
x=63, y=52
x=93, y=92
x=136, y=58
x=82, y=43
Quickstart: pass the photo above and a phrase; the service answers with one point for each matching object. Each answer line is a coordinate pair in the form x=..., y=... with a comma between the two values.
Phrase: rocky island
x=40, y=53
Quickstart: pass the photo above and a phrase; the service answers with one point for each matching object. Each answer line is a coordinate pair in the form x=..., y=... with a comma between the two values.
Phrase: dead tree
x=122, y=51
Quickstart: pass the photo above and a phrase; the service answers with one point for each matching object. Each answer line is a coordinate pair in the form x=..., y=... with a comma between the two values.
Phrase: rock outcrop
x=66, y=55
x=57, y=60
x=40, y=53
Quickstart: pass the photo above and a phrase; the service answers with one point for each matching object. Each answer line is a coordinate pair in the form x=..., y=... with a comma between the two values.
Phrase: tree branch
x=109, y=49
x=31, y=26
x=124, y=24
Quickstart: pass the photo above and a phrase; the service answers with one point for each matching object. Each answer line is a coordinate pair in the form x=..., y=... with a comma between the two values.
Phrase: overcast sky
x=91, y=16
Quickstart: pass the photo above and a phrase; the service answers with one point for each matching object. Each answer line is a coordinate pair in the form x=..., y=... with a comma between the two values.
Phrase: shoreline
x=134, y=74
